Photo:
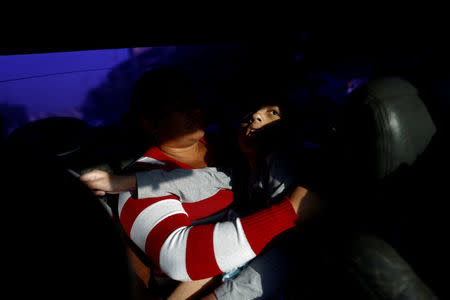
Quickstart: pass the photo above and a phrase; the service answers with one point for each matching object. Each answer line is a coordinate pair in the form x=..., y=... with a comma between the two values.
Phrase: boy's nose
x=256, y=117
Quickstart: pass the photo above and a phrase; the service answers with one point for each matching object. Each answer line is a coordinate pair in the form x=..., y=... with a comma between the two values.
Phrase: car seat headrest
x=58, y=136
x=386, y=125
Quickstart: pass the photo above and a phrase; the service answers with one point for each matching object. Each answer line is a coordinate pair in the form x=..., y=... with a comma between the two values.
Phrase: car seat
x=383, y=132
x=384, y=129
x=58, y=240
x=78, y=146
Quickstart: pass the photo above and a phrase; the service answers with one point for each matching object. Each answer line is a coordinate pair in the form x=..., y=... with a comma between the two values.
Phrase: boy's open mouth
x=251, y=131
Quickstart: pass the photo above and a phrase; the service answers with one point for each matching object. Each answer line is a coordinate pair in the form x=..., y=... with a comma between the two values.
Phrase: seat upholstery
x=60, y=136
x=385, y=129
x=338, y=264
x=387, y=125
x=77, y=146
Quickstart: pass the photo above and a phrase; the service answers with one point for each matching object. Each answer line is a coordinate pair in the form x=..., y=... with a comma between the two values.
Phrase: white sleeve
x=189, y=185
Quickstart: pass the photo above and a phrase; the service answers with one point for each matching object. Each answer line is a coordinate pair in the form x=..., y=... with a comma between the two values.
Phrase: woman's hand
x=101, y=182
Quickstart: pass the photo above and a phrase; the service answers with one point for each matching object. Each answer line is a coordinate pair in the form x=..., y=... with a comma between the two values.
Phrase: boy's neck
x=254, y=160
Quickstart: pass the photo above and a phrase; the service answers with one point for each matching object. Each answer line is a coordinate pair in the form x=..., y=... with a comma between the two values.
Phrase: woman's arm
x=162, y=229
x=188, y=184
x=101, y=182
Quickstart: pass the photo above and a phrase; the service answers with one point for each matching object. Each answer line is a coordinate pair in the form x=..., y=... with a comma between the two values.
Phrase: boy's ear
x=146, y=124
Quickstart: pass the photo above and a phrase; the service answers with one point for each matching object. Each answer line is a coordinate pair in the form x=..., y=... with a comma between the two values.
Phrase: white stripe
x=123, y=197
x=150, y=160
x=151, y=216
x=231, y=246
x=172, y=257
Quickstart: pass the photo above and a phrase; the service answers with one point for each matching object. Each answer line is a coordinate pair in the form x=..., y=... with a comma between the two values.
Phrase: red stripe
x=261, y=227
x=158, y=235
x=200, y=259
x=156, y=153
x=133, y=207
x=209, y=206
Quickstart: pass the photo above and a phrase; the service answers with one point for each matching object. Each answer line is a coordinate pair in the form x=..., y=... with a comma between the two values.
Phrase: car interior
x=373, y=106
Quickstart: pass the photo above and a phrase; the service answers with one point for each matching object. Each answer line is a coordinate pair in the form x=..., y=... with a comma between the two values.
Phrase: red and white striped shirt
x=162, y=228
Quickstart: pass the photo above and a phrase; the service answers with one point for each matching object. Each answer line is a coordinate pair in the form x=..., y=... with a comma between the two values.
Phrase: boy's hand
x=101, y=182
x=306, y=203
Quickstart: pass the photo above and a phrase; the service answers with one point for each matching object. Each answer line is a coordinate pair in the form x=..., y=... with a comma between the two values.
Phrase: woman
x=162, y=226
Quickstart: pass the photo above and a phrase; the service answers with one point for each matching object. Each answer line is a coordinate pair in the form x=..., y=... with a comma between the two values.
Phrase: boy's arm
x=194, y=289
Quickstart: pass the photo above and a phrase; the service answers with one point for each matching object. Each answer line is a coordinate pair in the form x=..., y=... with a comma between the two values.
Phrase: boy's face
x=253, y=129
x=261, y=118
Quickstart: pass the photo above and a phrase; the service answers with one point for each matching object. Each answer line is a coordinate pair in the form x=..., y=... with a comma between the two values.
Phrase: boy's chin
x=249, y=144
x=184, y=139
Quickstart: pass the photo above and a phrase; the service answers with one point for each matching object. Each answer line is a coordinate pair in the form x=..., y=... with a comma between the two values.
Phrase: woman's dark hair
x=156, y=90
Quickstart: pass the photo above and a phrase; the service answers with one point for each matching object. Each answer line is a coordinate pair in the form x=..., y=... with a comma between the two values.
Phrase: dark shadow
x=61, y=230
x=13, y=116
x=58, y=136
x=422, y=223
x=352, y=265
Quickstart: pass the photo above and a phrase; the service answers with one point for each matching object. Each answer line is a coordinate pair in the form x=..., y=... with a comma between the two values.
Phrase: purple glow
x=54, y=82
x=51, y=84
x=352, y=84
x=96, y=85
